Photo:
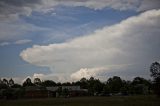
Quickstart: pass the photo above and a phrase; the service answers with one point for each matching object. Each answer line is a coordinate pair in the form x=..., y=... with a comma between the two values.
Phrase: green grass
x=86, y=101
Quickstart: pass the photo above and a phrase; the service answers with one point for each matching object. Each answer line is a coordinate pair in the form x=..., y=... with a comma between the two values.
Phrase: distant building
x=36, y=92
x=56, y=91
x=71, y=88
x=72, y=91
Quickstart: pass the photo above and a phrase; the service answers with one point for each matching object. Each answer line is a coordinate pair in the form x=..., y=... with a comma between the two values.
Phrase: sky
x=65, y=40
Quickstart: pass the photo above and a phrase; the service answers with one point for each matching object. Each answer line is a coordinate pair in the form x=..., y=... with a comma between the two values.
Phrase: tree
x=139, y=80
x=66, y=84
x=107, y=89
x=48, y=83
x=16, y=86
x=155, y=73
x=65, y=92
x=28, y=82
x=1, y=81
x=37, y=81
x=83, y=83
x=155, y=70
x=11, y=82
x=115, y=84
x=5, y=81
x=3, y=84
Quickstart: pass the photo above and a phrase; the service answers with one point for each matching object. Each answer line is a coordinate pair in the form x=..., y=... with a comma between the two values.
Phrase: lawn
x=86, y=101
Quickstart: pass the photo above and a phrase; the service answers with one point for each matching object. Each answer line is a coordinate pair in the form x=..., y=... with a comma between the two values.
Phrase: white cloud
x=99, y=72
x=87, y=73
x=134, y=41
x=35, y=75
x=55, y=77
x=4, y=43
x=24, y=41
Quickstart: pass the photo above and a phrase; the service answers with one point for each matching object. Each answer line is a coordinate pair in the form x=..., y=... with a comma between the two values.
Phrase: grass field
x=86, y=101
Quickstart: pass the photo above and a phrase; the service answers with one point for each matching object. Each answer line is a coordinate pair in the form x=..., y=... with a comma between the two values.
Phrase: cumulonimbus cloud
x=134, y=41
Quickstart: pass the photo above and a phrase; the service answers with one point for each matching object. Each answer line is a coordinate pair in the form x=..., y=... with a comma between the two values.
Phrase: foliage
x=28, y=82
x=115, y=84
x=11, y=82
x=48, y=83
x=16, y=86
x=37, y=81
x=155, y=73
x=155, y=70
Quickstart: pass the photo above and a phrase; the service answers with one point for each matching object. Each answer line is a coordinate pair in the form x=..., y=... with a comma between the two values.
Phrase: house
x=71, y=88
x=56, y=91
x=66, y=91
x=36, y=92
x=52, y=91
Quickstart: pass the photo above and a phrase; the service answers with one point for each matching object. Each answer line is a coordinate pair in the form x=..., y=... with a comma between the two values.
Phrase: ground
x=86, y=101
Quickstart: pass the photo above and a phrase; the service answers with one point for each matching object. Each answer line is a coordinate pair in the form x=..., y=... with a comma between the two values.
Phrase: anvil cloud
x=131, y=43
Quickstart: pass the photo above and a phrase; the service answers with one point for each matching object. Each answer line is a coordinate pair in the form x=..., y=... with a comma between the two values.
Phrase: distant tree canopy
x=37, y=81
x=114, y=85
x=155, y=70
x=28, y=82
x=155, y=73
x=11, y=82
x=5, y=81
x=48, y=83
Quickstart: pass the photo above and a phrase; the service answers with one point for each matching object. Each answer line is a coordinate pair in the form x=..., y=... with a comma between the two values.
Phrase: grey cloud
x=20, y=3
x=13, y=8
x=8, y=8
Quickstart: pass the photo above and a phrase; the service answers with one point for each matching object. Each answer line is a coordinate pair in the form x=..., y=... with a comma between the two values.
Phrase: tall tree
x=155, y=70
x=3, y=84
x=155, y=73
x=28, y=82
x=48, y=83
x=11, y=82
x=1, y=81
x=115, y=84
x=37, y=81
x=5, y=81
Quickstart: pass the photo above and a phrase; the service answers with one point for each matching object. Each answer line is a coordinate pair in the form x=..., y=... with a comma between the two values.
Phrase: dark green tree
x=155, y=73
x=3, y=84
x=115, y=84
x=37, y=81
x=5, y=81
x=83, y=83
x=155, y=70
x=106, y=89
x=28, y=82
x=11, y=82
x=16, y=86
x=48, y=83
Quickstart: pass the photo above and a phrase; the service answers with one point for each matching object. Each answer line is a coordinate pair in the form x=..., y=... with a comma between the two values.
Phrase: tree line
x=114, y=85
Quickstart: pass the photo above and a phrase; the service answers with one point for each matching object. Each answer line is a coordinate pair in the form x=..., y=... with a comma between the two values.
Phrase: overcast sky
x=65, y=40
